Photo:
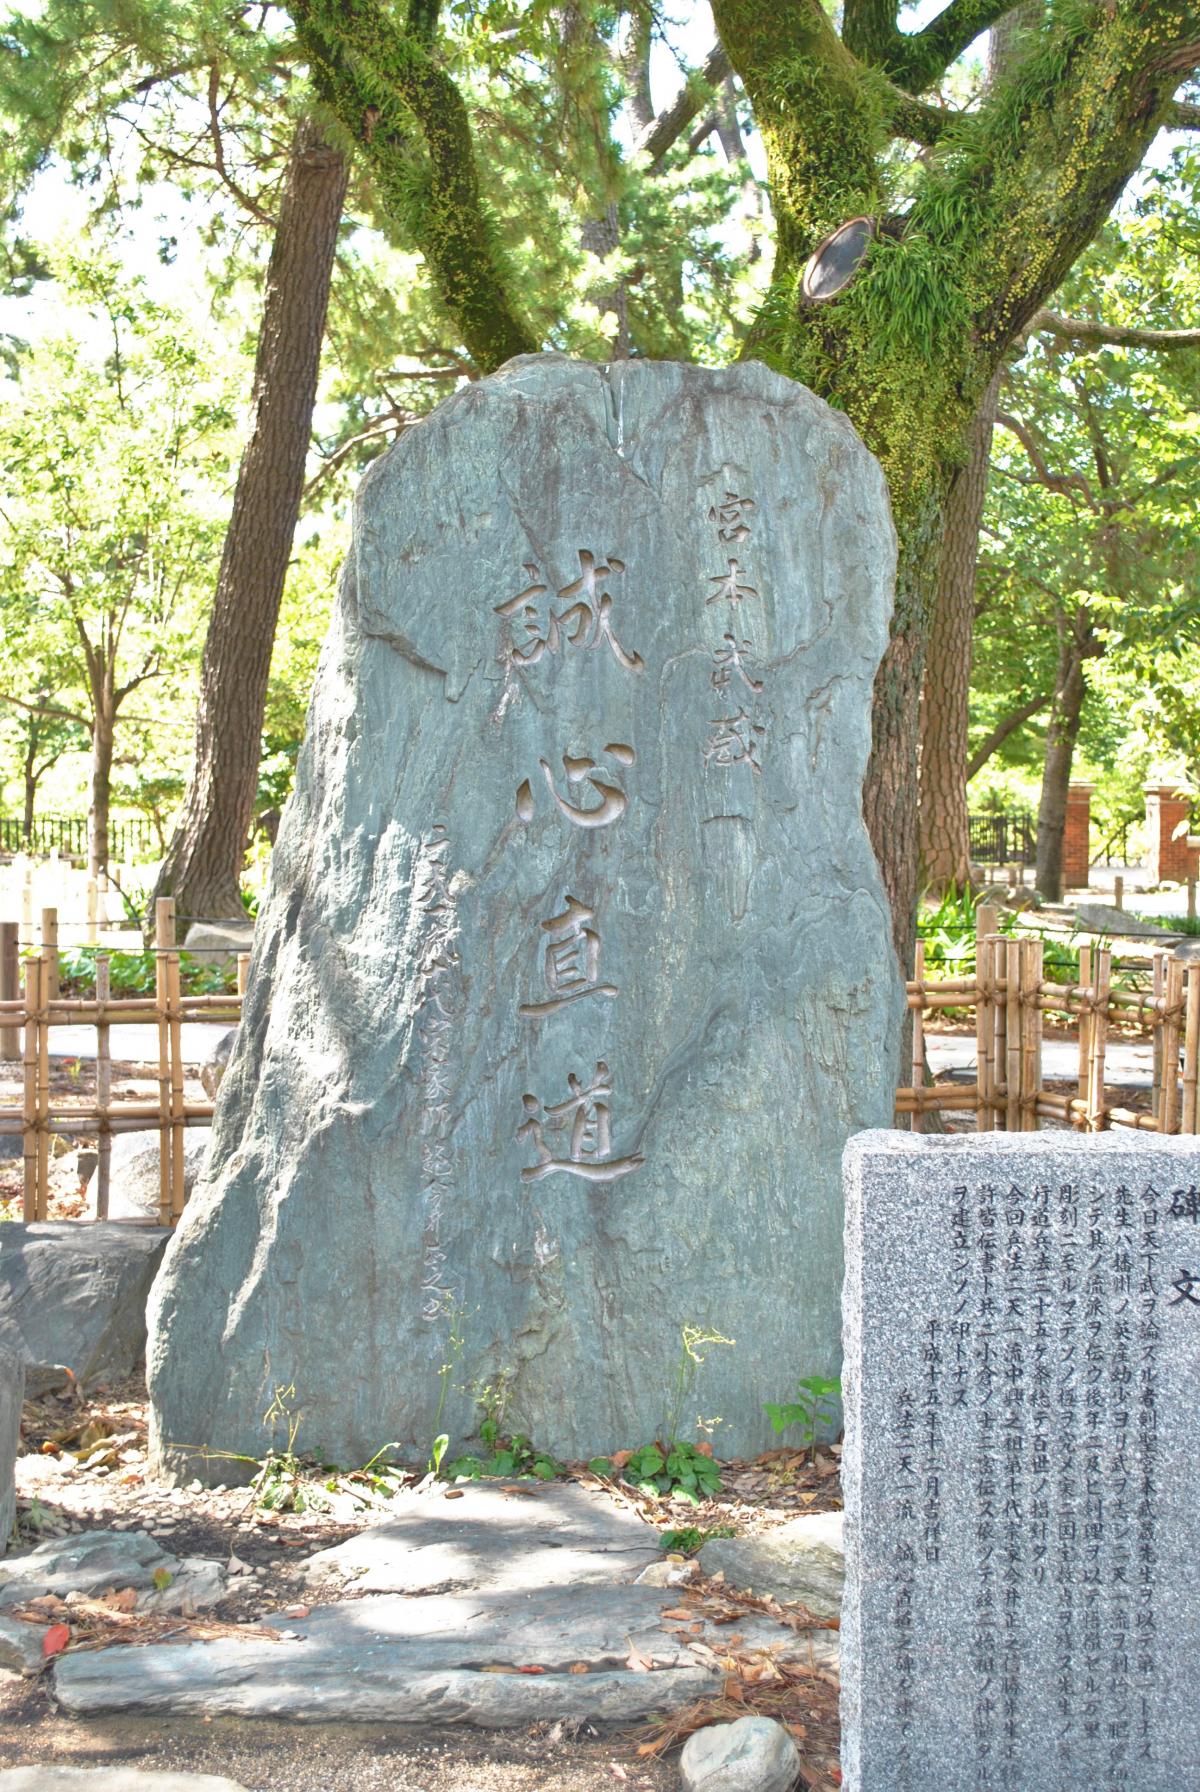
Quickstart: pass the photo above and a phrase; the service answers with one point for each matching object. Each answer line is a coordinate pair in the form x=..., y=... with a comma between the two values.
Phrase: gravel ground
x=278, y=1757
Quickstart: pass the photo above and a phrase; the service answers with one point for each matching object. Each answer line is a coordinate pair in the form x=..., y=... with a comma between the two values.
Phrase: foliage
x=814, y=1406
x=689, y=1540
x=508, y=1458
x=681, y=1470
x=133, y=973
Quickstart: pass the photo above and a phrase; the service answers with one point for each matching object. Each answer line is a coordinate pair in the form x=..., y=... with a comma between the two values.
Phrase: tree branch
x=695, y=94
x=1001, y=732
x=917, y=59
x=44, y=709
x=1055, y=482
x=1096, y=335
x=375, y=78
x=1183, y=116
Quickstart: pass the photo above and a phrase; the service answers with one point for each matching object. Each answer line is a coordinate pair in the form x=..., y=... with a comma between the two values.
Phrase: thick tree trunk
x=945, y=844
x=104, y=727
x=203, y=868
x=1066, y=712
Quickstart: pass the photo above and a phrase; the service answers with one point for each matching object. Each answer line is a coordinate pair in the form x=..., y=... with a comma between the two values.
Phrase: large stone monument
x=1022, y=1388
x=575, y=972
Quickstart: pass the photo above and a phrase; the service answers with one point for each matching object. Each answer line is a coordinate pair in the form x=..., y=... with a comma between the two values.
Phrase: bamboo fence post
x=10, y=987
x=1168, y=1119
x=985, y=926
x=103, y=1087
x=27, y=939
x=1085, y=1018
x=50, y=988
x=93, y=908
x=1098, y=1041
x=1158, y=985
x=1031, y=1033
x=999, y=1054
x=164, y=939
x=48, y=958
x=1012, y=1035
x=243, y=969
x=918, y=1033
x=29, y=1142
x=1191, y=1049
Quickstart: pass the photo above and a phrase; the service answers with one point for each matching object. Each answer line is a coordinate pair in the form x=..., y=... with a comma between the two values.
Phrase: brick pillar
x=1167, y=818
x=1077, y=837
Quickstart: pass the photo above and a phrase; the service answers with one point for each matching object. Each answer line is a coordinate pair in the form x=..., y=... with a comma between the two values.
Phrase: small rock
x=755, y=1754
x=21, y=1645
x=671, y=1572
x=212, y=1071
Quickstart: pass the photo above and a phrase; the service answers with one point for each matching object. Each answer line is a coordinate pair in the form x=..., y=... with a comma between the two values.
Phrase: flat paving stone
x=96, y=1561
x=449, y=1658
x=556, y=1534
x=800, y=1562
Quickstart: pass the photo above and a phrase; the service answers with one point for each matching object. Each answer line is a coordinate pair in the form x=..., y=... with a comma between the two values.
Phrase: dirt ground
x=83, y=1467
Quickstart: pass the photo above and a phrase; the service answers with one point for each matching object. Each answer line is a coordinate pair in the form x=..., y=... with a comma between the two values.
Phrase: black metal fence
x=129, y=838
x=1003, y=839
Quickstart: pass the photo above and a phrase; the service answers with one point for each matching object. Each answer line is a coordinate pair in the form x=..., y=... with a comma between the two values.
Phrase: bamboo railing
x=30, y=1017
x=1011, y=997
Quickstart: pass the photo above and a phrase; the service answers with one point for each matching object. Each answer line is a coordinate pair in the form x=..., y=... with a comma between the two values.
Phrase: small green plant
x=281, y=1484
x=454, y=1350
x=689, y=1539
x=813, y=1407
x=508, y=1458
x=694, y=1339
x=677, y=1468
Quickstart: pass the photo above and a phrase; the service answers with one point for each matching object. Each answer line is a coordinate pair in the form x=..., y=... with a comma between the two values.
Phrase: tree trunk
x=945, y=700
x=30, y=777
x=104, y=727
x=203, y=867
x=1063, y=731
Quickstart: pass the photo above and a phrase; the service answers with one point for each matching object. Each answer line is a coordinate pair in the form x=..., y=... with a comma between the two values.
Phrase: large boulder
x=76, y=1294
x=134, y=1176
x=575, y=970
x=12, y=1393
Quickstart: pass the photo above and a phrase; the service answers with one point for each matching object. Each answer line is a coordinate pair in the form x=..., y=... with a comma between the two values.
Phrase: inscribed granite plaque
x=1022, y=1386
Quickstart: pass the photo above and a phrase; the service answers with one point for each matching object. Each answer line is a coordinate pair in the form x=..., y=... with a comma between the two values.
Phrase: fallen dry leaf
x=617, y=1771
x=618, y=1459
x=296, y=1611
x=680, y=1613
x=120, y=1599
x=531, y=1670
x=579, y=1667
x=55, y=1640
x=635, y=1661
x=453, y=1493
x=499, y=1667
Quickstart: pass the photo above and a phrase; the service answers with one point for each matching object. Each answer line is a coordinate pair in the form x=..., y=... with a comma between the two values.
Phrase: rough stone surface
x=111, y=1779
x=754, y=1754
x=1102, y=917
x=558, y=1536
x=99, y=1560
x=133, y=1184
x=219, y=944
x=21, y=1646
x=12, y=1394
x=76, y=1294
x=444, y=1659
x=799, y=1562
x=575, y=972
x=216, y=1062
x=1022, y=1384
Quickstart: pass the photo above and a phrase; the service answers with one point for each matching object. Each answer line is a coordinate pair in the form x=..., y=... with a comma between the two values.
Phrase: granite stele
x=1022, y=1387
x=574, y=974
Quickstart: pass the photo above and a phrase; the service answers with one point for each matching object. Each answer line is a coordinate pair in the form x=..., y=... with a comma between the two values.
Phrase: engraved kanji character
x=1185, y=1204
x=587, y=1115
x=524, y=610
x=735, y=740
x=1186, y=1286
x=571, y=963
x=583, y=772
x=730, y=588
x=727, y=661
x=730, y=517
x=592, y=612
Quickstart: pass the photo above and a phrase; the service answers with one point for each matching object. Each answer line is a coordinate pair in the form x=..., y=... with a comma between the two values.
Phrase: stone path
x=489, y=1606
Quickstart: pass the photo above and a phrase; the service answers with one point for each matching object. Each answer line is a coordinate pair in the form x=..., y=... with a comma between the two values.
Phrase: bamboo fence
x=31, y=1007
x=1009, y=995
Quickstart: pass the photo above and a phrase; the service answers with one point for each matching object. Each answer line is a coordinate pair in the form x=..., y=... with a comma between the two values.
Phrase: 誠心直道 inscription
x=1022, y=1379
x=575, y=974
